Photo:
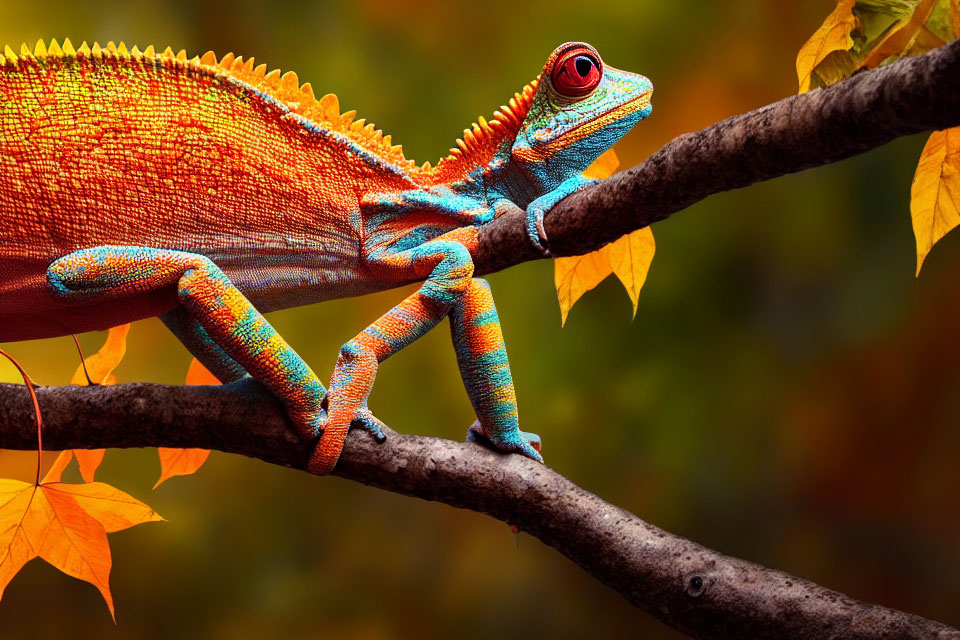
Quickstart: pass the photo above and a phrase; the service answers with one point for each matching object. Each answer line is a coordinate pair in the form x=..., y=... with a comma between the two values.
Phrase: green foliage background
x=786, y=394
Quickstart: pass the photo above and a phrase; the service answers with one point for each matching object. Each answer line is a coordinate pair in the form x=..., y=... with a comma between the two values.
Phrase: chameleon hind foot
x=522, y=442
x=334, y=434
x=369, y=422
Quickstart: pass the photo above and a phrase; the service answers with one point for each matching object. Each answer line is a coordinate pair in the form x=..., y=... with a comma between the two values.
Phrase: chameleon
x=208, y=192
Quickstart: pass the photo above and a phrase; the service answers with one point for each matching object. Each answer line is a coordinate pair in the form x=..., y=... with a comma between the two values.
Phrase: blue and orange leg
x=199, y=343
x=482, y=357
x=537, y=209
x=448, y=268
x=224, y=315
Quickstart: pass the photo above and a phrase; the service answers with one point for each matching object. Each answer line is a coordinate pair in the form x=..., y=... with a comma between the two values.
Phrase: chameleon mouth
x=630, y=106
x=590, y=127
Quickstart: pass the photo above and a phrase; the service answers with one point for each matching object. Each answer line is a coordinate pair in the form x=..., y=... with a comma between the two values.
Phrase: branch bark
x=685, y=585
x=689, y=587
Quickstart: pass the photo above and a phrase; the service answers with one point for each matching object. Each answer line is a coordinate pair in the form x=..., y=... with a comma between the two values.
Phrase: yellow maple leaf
x=832, y=36
x=955, y=17
x=629, y=257
x=935, y=193
x=183, y=462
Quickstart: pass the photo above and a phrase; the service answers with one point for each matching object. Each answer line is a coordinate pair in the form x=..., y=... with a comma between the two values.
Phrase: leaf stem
x=36, y=410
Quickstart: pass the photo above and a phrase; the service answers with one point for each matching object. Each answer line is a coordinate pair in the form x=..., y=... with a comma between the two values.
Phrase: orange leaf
x=15, y=550
x=183, y=462
x=56, y=471
x=179, y=462
x=89, y=461
x=935, y=194
x=112, y=508
x=630, y=258
x=67, y=526
x=955, y=17
x=101, y=364
x=199, y=374
x=100, y=368
x=604, y=166
x=833, y=35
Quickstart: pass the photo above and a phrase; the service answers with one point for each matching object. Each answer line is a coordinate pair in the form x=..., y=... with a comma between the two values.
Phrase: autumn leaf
x=935, y=193
x=88, y=459
x=863, y=34
x=604, y=166
x=55, y=472
x=576, y=275
x=66, y=525
x=629, y=257
x=899, y=37
x=179, y=462
x=100, y=365
x=199, y=374
x=832, y=38
x=183, y=462
x=875, y=31
x=100, y=368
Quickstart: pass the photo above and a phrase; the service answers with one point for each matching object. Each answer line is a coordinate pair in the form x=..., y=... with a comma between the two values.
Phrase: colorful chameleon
x=137, y=184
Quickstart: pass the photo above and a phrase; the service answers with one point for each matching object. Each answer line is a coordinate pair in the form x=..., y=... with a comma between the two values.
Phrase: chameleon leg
x=482, y=357
x=539, y=208
x=226, y=317
x=198, y=342
x=448, y=268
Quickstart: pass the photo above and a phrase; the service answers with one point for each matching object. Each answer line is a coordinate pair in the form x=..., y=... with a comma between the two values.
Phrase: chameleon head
x=580, y=109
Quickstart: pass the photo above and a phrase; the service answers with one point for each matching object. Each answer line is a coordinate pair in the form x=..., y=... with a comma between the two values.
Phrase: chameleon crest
x=207, y=191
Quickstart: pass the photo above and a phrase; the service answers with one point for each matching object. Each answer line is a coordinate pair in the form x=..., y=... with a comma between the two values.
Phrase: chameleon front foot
x=522, y=442
x=537, y=209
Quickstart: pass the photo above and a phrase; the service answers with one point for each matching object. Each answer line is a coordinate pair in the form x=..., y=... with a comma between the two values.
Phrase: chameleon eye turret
x=577, y=72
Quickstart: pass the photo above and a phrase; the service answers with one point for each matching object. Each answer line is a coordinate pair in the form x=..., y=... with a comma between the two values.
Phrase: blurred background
x=787, y=392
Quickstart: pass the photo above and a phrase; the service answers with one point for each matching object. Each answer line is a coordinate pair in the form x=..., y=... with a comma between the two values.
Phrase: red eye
x=576, y=73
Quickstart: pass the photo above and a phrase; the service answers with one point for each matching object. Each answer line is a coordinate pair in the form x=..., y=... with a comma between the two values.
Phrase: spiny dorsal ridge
x=478, y=141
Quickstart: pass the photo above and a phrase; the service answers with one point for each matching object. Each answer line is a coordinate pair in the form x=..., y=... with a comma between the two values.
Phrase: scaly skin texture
x=206, y=192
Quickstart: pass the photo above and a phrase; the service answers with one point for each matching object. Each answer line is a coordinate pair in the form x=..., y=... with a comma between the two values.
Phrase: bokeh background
x=787, y=392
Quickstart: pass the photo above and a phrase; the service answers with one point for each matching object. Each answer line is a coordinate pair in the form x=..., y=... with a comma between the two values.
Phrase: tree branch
x=808, y=130
x=685, y=585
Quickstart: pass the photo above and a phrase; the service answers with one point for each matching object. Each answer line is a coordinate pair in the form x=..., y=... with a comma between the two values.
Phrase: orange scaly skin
x=137, y=184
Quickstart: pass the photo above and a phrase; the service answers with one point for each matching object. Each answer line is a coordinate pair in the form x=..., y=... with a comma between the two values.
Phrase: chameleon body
x=206, y=192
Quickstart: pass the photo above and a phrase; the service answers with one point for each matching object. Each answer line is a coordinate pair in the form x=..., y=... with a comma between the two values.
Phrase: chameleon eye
x=576, y=73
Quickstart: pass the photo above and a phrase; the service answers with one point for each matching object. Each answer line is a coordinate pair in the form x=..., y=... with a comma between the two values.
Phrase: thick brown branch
x=687, y=586
x=803, y=131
